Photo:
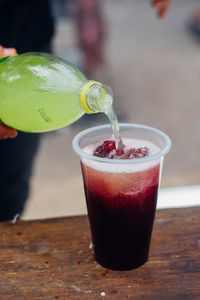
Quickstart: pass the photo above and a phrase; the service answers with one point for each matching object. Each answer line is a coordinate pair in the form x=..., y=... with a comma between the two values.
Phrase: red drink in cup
x=121, y=192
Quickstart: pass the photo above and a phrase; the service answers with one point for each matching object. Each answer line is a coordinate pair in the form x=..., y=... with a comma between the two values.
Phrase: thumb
x=7, y=132
x=7, y=51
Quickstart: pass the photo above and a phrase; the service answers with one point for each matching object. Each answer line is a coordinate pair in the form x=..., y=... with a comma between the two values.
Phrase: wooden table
x=51, y=259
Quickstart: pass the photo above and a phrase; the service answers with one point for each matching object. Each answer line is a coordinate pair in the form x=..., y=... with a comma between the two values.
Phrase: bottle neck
x=96, y=97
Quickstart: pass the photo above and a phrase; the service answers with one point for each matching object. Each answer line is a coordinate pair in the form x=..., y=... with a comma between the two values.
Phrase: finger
x=7, y=51
x=162, y=12
x=157, y=3
x=162, y=7
x=1, y=50
x=161, y=4
x=7, y=132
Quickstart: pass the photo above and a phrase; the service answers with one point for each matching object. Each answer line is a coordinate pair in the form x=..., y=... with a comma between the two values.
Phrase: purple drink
x=121, y=194
x=121, y=213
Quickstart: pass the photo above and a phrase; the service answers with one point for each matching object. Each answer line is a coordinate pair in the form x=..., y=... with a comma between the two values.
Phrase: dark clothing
x=16, y=156
x=26, y=25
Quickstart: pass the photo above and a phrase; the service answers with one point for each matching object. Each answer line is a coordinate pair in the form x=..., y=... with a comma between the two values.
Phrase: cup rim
x=82, y=134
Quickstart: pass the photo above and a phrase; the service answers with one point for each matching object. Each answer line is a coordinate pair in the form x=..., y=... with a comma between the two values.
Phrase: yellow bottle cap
x=83, y=96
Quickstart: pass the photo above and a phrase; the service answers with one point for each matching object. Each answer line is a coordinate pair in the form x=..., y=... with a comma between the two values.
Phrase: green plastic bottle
x=40, y=92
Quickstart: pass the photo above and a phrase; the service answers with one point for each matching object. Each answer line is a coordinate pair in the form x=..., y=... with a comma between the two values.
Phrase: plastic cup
x=121, y=195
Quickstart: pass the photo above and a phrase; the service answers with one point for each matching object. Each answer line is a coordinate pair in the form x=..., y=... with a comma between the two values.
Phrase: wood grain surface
x=52, y=259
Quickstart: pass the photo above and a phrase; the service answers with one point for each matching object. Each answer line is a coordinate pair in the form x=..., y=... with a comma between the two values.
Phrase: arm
x=6, y=132
x=162, y=7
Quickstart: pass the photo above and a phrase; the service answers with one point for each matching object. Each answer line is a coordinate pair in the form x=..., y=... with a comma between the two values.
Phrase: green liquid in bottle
x=40, y=92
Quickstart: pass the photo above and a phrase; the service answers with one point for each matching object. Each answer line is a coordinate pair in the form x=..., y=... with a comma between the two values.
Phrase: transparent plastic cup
x=121, y=195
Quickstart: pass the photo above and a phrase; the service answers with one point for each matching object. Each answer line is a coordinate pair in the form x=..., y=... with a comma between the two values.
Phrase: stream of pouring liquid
x=115, y=127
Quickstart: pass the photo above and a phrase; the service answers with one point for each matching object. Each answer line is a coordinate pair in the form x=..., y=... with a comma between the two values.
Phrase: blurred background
x=153, y=67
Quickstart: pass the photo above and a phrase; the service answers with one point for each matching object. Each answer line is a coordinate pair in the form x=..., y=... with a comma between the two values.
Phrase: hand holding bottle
x=7, y=132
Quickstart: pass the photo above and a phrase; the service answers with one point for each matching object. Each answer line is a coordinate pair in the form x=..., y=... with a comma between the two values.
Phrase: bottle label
x=43, y=115
x=3, y=58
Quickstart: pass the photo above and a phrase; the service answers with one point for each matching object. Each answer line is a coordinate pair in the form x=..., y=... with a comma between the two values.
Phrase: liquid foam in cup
x=132, y=148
